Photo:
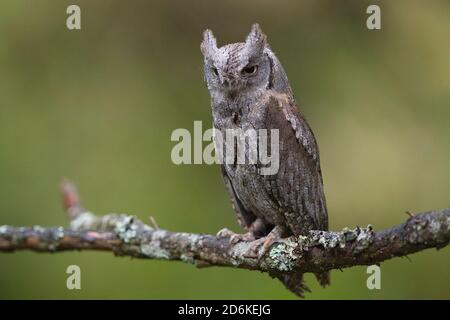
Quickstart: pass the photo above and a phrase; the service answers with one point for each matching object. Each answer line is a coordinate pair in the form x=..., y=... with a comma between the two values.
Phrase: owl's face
x=236, y=68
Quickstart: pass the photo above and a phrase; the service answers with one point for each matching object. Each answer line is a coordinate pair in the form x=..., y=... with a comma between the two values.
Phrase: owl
x=249, y=89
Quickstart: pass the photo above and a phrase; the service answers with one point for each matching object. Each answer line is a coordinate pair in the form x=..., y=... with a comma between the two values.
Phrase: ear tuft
x=209, y=44
x=256, y=40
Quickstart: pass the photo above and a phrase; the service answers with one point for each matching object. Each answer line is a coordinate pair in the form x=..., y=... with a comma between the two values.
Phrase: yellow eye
x=250, y=69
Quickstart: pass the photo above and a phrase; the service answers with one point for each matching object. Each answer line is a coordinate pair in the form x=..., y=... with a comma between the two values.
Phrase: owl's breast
x=251, y=192
x=241, y=159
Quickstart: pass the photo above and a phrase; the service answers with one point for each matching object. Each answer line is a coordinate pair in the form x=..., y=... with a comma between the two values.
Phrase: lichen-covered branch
x=319, y=251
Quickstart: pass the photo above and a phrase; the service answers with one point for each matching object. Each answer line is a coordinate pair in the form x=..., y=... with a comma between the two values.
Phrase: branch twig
x=320, y=251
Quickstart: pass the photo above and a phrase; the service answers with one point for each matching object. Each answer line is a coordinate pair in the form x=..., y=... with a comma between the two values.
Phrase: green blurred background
x=98, y=106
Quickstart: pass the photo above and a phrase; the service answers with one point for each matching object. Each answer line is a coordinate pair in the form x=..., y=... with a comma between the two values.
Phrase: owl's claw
x=259, y=247
x=235, y=237
x=224, y=233
x=254, y=249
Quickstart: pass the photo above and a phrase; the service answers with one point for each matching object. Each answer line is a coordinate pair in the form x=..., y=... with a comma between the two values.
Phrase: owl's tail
x=294, y=282
x=323, y=278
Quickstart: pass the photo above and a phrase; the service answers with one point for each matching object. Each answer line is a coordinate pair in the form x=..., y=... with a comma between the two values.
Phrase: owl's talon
x=247, y=237
x=254, y=249
x=261, y=246
x=265, y=247
x=235, y=237
x=224, y=233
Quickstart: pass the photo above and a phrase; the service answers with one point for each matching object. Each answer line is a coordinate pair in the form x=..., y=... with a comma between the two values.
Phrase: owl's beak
x=229, y=82
x=231, y=87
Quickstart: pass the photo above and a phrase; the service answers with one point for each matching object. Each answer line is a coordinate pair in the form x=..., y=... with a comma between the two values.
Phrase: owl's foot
x=235, y=237
x=259, y=247
x=256, y=228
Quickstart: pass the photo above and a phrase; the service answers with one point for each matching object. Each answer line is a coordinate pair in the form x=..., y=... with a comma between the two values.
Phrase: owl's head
x=238, y=67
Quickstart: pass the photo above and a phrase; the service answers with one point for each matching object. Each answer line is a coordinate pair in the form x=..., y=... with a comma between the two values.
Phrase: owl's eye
x=250, y=70
x=216, y=72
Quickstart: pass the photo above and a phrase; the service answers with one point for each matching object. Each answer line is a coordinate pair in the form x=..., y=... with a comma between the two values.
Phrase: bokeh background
x=98, y=106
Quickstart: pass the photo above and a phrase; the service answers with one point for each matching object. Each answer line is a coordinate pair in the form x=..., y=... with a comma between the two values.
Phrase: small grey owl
x=249, y=90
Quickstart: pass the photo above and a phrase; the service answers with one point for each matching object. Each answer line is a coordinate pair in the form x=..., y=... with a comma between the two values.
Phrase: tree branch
x=125, y=235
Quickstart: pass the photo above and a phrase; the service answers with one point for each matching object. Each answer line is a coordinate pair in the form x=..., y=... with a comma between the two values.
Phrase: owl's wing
x=297, y=186
x=244, y=217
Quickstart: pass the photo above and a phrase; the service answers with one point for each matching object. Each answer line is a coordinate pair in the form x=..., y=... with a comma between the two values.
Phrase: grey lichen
x=415, y=235
x=50, y=240
x=4, y=229
x=38, y=228
x=59, y=234
x=329, y=241
x=420, y=225
x=188, y=258
x=237, y=253
x=303, y=242
x=363, y=237
x=435, y=227
x=235, y=262
x=193, y=241
x=125, y=228
x=349, y=234
x=153, y=250
x=282, y=257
